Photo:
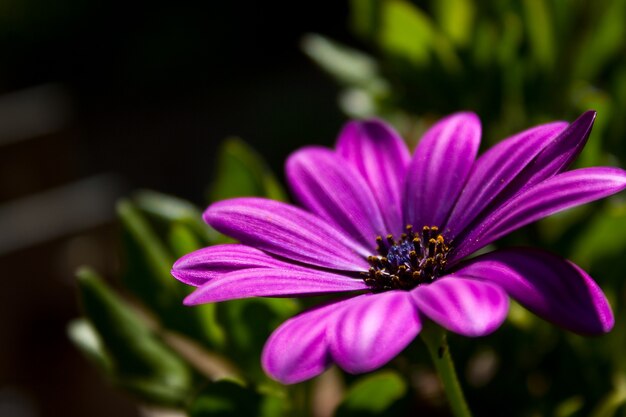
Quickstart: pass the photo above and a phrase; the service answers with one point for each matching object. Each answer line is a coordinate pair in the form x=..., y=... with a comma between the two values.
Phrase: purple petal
x=557, y=156
x=266, y=282
x=549, y=286
x=196, y=268
x=464, y=306
x=373, y=329
x=439, y=169
x=286, y=231
x=298, y=349
x=381, y=156
x=558, y=193
x=323, y=182
x=496, y=169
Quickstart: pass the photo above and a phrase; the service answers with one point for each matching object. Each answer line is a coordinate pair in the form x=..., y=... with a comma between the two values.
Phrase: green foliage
x=126, y=348
x=515, y=63
x=242, y=172
x=376, y=394
x=229, y=398
x=156, y=230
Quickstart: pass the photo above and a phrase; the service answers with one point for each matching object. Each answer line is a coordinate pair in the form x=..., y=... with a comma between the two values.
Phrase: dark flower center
x=416, y=258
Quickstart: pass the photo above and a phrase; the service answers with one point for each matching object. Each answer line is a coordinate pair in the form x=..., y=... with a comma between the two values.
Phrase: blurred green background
x=102, y=100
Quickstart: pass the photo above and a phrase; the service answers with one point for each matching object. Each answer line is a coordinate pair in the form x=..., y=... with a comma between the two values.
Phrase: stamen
x=414, y=259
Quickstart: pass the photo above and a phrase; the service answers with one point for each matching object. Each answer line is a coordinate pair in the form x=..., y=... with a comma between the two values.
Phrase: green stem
x=435, y=339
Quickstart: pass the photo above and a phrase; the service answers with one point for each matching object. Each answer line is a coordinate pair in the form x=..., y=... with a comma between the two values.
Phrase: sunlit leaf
x=348, y=66
x=87, y=339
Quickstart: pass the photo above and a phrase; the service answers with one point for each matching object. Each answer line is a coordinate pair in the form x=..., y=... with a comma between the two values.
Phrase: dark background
x=98, y=99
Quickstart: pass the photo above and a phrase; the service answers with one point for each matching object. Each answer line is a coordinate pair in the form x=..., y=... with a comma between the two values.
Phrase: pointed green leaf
x=373, y=395
x=87, y=339
x=242, y=172
x=348, y=66
x=139, y=361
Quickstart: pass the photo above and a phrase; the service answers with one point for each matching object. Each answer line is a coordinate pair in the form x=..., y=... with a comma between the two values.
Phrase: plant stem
x=436, y=341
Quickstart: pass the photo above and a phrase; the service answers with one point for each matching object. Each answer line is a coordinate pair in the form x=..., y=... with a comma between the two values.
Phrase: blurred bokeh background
x=101, y=98
x=98, y=100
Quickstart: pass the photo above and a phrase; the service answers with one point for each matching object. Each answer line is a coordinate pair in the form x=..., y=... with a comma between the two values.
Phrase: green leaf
x=409, y=33
x=159, y=284
x=604, y=39
x=348, y=66
x=365, y=17
x=242, y=172
x=611, y=404
x=87, y=339
x=604, y=237
x=456, y=19
x=140, y=362
x=373, y=395
x=539, y=24
x=182, y=240
x=225, y=399
x=171, y=209
x=569, y=407
x=148, y=276
x=249, y=323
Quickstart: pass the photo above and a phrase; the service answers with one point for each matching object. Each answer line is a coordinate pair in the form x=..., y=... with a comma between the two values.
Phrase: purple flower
x=391, y=233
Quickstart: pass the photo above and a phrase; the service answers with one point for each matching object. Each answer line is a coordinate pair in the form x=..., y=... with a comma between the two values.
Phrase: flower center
x=416, y=258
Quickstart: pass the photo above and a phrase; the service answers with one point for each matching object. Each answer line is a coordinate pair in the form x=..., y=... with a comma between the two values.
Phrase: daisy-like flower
x=391, y=233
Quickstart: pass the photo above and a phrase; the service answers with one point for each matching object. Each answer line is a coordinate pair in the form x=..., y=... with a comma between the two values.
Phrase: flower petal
x=322, y=181
x=196, y=268
x=381, y=156
x=558, y=193
x=549, y=286
x=298, y=349
x=496, y=169
x=464, y=306
x=372, y=329
x=287, y=231
x=267, y=282
x=439, y=169
x=557, y=156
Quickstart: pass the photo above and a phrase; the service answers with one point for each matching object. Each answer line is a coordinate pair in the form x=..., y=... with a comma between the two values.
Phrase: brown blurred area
x=99, y=99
